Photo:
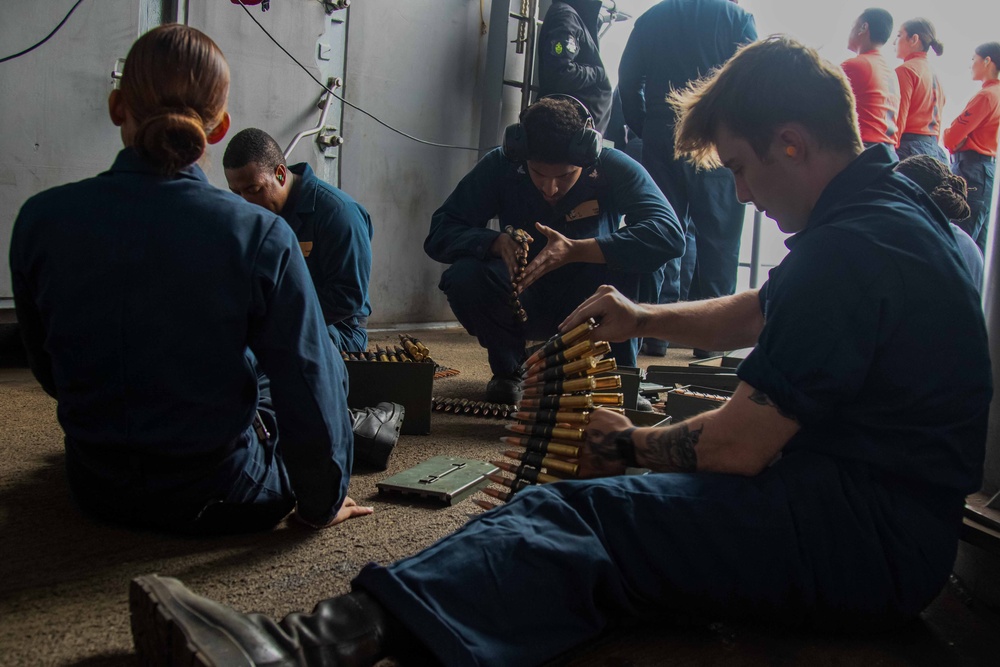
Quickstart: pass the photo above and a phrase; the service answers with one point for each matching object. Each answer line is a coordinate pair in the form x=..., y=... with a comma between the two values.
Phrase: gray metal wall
x=416, y=64
x=53, y=101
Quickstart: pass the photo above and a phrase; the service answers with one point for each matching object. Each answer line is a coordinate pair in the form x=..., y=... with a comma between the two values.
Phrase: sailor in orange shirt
x=972, y=140
x=921, y=98
x=875, y=87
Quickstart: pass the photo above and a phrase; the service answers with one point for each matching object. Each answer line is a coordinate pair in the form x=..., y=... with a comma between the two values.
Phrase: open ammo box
x=688, y=401
x=409, y=384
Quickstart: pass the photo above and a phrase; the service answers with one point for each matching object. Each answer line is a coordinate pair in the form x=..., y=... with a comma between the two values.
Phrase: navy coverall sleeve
x=652, y=235
x=632, y=82
x=308, y=381
x=817, y=347
x=29, y=320
x=345, y=262
x=458, y=228
x=559, y=58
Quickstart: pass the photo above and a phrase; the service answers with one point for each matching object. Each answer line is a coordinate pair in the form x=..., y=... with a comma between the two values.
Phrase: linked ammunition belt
x=564, y=381
x=687, y=391
x=465, y=406
x=524, y=238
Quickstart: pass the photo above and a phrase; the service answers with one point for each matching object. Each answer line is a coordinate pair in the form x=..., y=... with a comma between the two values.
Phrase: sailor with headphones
x=553, y=178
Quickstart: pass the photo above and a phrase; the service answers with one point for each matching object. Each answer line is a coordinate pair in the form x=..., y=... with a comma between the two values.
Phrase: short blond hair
x=764, y=85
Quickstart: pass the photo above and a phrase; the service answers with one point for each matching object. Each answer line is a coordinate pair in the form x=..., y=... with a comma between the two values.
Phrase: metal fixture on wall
x=327, y=134
x=333, y=5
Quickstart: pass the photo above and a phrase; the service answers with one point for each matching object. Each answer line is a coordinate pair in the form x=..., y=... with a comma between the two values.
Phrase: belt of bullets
x=560, y=390
x=687, y=391
x=465, y=406
x=524, y=238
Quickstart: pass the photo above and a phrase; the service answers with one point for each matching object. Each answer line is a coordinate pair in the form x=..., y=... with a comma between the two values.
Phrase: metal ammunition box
x=680, y=406
x=643, y=419
x=715, y=377
x=410, y=385
x=444, y=479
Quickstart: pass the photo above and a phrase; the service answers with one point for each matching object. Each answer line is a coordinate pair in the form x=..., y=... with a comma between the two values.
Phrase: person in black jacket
x=569, y=56
x=675, y=42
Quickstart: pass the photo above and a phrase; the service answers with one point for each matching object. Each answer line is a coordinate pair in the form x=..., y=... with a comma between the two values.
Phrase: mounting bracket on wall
x=327, y=136
x=333, y=5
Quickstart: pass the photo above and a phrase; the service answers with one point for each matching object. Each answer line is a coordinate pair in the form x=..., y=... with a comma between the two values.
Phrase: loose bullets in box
x=387, y=354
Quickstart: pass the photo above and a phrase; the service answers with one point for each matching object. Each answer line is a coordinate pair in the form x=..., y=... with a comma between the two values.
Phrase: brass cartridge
x=548, y=431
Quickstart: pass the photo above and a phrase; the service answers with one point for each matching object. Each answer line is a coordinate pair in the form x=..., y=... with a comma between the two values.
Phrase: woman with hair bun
x=921, y=98
x=950, y=194
x=972, y=140
x=141, y=293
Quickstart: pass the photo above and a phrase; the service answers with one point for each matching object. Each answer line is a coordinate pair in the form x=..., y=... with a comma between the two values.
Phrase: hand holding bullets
x=564, y=381
x=523, y=238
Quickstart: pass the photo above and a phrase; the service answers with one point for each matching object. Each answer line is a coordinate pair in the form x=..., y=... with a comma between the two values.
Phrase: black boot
x=173, y=626
x=376, y=431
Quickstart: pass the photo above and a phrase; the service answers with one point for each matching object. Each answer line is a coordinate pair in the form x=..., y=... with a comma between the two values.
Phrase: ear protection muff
x=584, y=146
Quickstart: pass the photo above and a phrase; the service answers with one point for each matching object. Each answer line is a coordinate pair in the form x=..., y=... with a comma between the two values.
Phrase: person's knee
x=469, y=281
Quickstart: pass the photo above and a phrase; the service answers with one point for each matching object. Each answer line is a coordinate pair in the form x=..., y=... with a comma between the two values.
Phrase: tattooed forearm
x=672, y=449
x=760, y=398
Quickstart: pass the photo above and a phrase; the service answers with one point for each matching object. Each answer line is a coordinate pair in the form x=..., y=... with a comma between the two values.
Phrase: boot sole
x=161, y=640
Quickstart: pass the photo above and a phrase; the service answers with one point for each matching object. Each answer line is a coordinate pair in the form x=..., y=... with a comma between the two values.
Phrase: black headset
x=584, y=146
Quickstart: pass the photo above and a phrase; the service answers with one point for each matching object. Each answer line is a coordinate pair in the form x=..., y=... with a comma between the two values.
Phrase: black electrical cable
x=47, y=38
x=324, y=87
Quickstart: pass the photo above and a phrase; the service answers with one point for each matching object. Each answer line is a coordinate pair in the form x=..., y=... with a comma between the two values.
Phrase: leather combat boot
x=376, y=431
x=171, y=626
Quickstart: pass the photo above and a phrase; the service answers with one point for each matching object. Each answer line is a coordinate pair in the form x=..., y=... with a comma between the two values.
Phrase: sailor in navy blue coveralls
x=855, y=524
x=569, y=57
x=335, y=234
x=675, y=42
x=478, y=284
x=138, y=296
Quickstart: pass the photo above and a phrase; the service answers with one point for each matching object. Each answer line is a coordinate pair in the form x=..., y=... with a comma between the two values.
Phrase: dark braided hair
x=947, y=190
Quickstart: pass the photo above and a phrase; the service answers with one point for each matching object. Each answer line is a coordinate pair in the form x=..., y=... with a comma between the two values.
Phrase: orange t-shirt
x=977, y=126
x=876, y=91
x=921, y=97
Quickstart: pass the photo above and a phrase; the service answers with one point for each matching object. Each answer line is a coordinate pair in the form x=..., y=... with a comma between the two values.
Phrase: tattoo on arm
x=760, y=398
x=672, y=449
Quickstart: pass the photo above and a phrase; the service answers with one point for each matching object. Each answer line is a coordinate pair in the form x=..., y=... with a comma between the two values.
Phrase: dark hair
x=879, y=24
x=924, y=29
x=947, y=190
x=990, y=50
x=252, y=145
x=549, y=126
x=174, y=85
x=749, y=95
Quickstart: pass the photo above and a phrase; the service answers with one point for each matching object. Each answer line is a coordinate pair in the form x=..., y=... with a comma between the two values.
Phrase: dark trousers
x=805, y=541
x=891, y=147
x=243, y=487
x=351, y=335
x=979, y=172
x=706, y=201
x=920, y=144
x=479, y=293
x=706, y=204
